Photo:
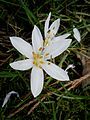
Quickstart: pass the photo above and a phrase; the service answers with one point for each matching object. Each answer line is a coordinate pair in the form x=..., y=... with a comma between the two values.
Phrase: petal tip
x=35, y=94
x=35, y=26
x=49, y=13
x=76, y=34
x=66, y=77
x=11, y=65
x=58, y=19
x=11, y=38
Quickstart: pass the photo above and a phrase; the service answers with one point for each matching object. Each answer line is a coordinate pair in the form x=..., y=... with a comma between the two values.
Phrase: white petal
x=37, y=39
x=8, y=97
x=55, y=72
x=22, y=46
x=56, y=48
x=37, y=81
x=64, y=36
x=77, y=34
x=47, y=24
x=22, y=64
x=54, y=27
x=70, y=66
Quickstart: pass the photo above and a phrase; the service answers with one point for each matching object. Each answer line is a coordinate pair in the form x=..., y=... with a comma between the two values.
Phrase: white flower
x=77, y=34
x=70, y=66
x=8, y=97
x=51, y=31
x=37, y=58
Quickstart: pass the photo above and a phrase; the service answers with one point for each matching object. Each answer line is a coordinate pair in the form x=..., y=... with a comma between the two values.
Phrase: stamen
x=40, y=49
x=48, y=63
x=46, y=42
x=33, y=62
x=38, y=59
x=46, y=54
x=42, y=62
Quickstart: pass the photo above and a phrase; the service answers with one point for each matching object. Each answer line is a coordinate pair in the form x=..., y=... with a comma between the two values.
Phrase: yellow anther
x=46, y=54
x=42, y=62
x=48, y=63
x=40, y=49
x=38, y=59
x=46, y=42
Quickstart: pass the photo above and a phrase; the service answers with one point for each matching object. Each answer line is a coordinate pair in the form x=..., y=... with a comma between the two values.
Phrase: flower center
x=38, y=59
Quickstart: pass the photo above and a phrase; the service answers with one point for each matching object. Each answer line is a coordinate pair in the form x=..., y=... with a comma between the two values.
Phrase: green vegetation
x=56, y=102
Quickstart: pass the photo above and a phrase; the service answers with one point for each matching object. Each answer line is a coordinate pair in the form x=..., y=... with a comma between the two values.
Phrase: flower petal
x=8, y=97
x=77, y=34
x=22, y=64
x=37, y=39
x=70, y=66
x=55, y=72
x=60, y=38
x=64, y=36
x=37, y=81
x=56, y=48
x=22, y=46
x=47, y=24
x=53, y=28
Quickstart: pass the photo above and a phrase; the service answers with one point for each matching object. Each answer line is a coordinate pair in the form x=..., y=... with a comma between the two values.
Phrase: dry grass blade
x=77, y=82
x=31, y=110
x=21, y=108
